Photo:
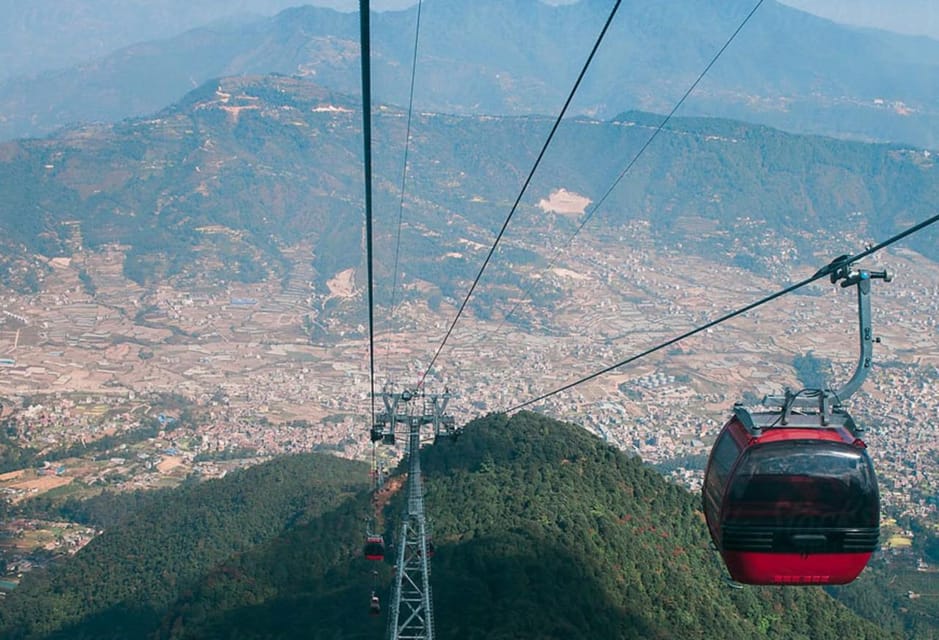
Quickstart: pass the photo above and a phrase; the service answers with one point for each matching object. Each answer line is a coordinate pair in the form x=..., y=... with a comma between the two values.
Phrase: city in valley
x=113, y=386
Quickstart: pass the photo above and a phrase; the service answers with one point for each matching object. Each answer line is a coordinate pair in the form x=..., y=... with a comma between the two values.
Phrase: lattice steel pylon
x=412, y=613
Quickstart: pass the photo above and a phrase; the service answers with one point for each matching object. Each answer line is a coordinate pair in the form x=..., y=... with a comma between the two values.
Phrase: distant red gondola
x=374, y=548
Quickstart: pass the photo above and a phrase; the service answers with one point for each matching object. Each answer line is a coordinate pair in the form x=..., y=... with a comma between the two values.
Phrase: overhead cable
x=367, y=142
x=531, y=174
x=821, y=273
x=634, y=159
x=404, y=171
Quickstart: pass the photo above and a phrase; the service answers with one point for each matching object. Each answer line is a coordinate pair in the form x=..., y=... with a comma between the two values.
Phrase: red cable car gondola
x=790, y=495
x=374, y=548
x=793, y=504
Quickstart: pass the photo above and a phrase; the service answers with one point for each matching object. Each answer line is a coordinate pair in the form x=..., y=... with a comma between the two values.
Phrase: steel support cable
x=531, y=174
x=367, y=143
x=821, y=273
x=633, y=161
x=407, y=147
x=404, y=175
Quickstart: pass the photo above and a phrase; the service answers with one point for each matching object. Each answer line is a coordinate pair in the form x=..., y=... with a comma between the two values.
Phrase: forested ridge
x=541, y=531
x=120, y=584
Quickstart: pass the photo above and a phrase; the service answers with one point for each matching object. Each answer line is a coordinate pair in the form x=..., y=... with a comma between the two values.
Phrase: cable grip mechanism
x=825, y=401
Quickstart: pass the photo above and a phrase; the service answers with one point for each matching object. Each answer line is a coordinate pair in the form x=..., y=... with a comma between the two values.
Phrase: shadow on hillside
x=517, y=584
x=512, y=585
x=115, y=623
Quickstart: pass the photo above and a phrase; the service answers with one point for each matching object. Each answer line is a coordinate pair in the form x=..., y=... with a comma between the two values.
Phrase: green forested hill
x=581, y=513
x=541, y=531
x=120, y=584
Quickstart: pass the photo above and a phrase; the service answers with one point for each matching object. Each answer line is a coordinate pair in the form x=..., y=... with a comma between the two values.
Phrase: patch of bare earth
x=383, y=495
x=564, y=202
x=166, y=465
x=343, y=285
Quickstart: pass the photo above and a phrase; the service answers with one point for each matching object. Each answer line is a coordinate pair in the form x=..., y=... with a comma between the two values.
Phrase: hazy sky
x=918, y=17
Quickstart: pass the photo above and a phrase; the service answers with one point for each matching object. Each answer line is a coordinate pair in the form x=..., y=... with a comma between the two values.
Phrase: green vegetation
x=103, y=510
x=120, y=584
x=88, y=283
x=537, y=507
x=230, y=453
x=12, y=455
x=16, y=456
x=541, y=531
x=813, y=372
x=697, y=461
x=883, y=593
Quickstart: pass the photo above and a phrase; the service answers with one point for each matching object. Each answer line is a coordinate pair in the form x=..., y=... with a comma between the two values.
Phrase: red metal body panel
x=778, y=434
x=794, y=568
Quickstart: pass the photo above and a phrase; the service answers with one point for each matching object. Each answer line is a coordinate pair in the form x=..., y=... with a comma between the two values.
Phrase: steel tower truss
x=412, y=615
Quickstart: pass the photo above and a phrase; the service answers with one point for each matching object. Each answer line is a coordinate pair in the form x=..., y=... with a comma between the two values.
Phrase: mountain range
x=220, y=185
x=221, y=154
x=786, y=68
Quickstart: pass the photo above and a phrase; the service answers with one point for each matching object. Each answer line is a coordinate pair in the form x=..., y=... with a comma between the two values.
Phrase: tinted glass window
x=805, y=484
x=725, y=455
x=722, y=461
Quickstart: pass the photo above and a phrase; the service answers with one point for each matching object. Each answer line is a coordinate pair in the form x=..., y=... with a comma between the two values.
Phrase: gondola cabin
x=794, y=503
x=374, y=548
x=374, y=605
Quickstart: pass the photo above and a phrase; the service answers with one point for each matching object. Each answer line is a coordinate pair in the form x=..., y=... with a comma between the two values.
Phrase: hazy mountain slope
x=120, y=584
x=542, y=531
x=787, y=68
x=215, y=187
x=915, y=17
